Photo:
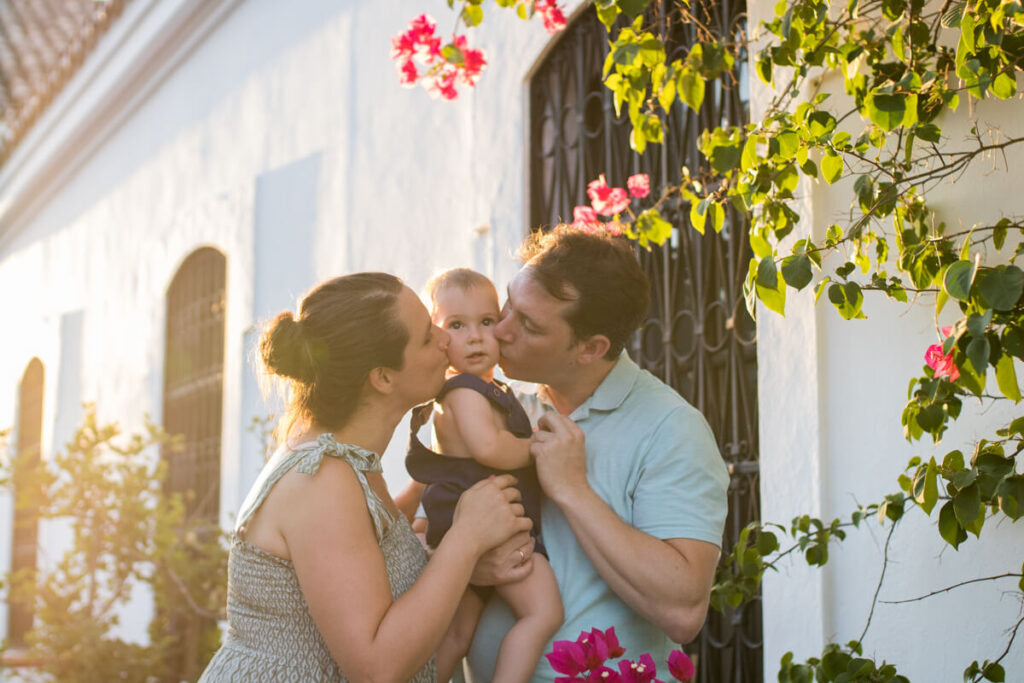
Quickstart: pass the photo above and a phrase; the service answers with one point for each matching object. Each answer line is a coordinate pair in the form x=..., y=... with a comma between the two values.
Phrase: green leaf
x=1013, y=342
x=927, y=493
x=928, y=132
x=767, y=276
x=958, y=279
x=472, y=15
x=1006, y=378
x=848, y=299
x=770, y=286
x=978, y=353
x=967, y=505
x=717, y=215
x=764, y=68
x=651, y=227
x=999, y=233
x=1010, y=493
x=607, y=14
x=886, y=110
x=797, y=270
x=625, y=54
x=994, y=672
x=690, y=86
x=698, y=214
x=760, y=246
x=787, y=178
x=1004, y=86
x=831, y=168
x=949, y=528
x=632, y=7
x=1001, y=287
x=725, y=157
x=452, y=54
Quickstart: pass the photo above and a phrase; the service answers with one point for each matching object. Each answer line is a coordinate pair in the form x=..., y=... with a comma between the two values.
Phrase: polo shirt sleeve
x=681, y=489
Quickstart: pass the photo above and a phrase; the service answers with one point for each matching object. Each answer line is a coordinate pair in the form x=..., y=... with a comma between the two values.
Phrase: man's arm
x=671, y=586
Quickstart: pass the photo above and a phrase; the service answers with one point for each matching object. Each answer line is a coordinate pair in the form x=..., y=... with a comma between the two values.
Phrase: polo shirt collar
x=612, y=390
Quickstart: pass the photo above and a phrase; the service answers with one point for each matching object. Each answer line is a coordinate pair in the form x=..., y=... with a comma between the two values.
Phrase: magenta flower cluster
x=609, y=201
x=418, y=47
x=420, y=58
x=586, y=659
x=940, y=362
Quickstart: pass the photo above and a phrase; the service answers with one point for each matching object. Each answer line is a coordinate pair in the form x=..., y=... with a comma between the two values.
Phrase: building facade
x=208, y=161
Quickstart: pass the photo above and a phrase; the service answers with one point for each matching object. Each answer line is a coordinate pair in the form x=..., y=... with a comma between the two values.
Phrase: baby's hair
x=464, y=279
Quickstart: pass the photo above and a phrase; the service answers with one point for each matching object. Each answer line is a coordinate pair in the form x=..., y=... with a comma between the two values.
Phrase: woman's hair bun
x=287, y=350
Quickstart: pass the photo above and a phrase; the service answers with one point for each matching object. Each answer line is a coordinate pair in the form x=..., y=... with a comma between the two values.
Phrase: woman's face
x=426, y=352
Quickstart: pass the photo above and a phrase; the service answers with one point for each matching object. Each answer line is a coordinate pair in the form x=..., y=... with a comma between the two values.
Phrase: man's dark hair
x=599, y=274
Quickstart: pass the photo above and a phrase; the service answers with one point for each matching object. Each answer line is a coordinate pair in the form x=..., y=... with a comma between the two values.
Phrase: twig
x=878, y=588
x=949, y=588
x=1006, y=651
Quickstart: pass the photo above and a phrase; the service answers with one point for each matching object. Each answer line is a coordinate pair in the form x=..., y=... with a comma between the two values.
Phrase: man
x=635, y=486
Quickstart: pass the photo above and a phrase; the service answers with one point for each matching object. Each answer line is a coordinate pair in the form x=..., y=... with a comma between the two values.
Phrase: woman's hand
x=507, y=563
x=489, y=513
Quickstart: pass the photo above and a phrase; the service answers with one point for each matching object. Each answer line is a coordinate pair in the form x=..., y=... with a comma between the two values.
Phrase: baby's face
x=469, y=317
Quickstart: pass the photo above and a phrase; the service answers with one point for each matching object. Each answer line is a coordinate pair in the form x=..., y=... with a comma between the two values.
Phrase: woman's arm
x=341, y=570
x=486, y=442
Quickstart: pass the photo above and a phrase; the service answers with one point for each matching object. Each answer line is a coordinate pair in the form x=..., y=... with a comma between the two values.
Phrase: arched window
x=194, y=379
x=25, y=539
x=699, y=338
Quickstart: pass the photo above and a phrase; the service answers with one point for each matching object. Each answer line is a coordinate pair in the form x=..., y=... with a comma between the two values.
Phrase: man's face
x=536, y=342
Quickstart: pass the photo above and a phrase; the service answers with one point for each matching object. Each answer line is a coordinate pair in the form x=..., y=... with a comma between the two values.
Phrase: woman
x=326, y=580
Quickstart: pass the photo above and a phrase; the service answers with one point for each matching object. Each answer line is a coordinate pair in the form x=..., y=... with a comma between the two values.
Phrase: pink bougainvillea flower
x=567, y=657
x=680, y=666
x=585, y=220
x=407, y=73
x=441, y=83
x=612, y=640
x=639, y=185
x=942, y=364
x=603, y=674
x=595, y=649
x=551, y=13
x=607, y=201
x=473, y=65
x=419, y=44
x=640, y=671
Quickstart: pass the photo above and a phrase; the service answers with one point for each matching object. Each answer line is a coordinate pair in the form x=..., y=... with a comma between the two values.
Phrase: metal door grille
x=699, y=338
x=25, y=537
x=194, y=378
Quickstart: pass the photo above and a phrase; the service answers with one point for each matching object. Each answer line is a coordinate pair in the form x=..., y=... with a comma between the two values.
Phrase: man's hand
x=559, y=451
x=509, y=562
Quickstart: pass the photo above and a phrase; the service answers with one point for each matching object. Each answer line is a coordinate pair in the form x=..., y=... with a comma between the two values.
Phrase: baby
x=481, y=429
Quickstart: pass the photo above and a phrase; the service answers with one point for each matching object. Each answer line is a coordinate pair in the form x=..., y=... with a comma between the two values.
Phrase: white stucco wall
x=280, y=136
x=831, y=394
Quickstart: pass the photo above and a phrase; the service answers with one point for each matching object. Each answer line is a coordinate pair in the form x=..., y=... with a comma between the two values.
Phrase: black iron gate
x=699, y=338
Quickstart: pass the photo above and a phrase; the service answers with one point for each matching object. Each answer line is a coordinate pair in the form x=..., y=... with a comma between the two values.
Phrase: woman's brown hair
x=346, y=327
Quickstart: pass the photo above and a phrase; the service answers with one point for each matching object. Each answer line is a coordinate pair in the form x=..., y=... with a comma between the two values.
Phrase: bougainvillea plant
x=421, y=59
x=587, y=659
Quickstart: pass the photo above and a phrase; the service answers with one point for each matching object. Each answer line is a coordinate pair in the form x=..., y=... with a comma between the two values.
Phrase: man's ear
x=382, y=380
x=592, y=349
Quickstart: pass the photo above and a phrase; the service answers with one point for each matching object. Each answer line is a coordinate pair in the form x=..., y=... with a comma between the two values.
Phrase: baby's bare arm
x=477, y=426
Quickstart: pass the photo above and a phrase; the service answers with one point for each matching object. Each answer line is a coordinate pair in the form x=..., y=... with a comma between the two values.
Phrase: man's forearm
x=668, y=583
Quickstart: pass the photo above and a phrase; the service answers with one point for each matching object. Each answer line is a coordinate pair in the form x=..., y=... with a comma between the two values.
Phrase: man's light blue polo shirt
x=653, y=459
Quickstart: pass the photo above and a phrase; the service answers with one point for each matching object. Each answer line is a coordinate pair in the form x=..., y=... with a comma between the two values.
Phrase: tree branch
x=949, y=588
